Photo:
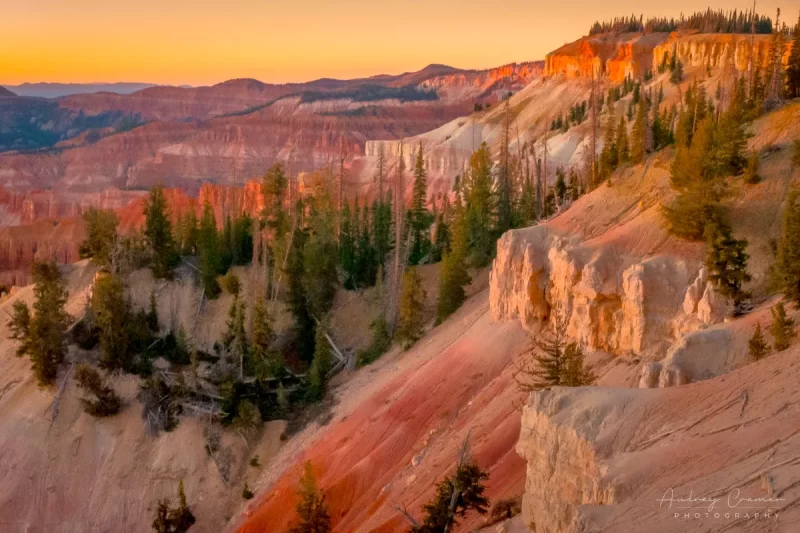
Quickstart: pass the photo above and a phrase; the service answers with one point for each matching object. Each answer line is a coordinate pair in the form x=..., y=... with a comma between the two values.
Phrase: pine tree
x=412, y=299
x=504, y=176
x=639, y=134
x=442, y=234
x=726, y=263
x=208, y=252
x=263, y=333
x=158, y=233
x=312, y=511
x=304, y=325
x=793, y=66
x=105, y=401
x=782, y=328
x=480, y=205
x=560, y=188
x=454, y=276
x=112, y=316
x=419, y=216
x=320, y=366
x=757, y=346
x=101, y=236
x=455, y=497
x=557, y=361
x=152, y=314
x=751, y=175
x=173, y=520
x=319, y=275
x=609, y=157
x=189, y=233
x=42, y=336
x=787, y=266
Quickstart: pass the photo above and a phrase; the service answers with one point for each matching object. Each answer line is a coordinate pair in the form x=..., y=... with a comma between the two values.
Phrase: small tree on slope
x=757, y=346
x=782, y=328
x=312, y=511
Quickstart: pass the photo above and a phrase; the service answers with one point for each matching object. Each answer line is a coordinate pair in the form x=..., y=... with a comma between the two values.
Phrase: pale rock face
x=616, y=303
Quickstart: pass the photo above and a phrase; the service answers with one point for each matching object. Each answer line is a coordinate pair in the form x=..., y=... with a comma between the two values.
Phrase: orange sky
x=201, y=42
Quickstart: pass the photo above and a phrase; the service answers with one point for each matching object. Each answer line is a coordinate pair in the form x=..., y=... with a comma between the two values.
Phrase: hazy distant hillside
x=56, y=90
x=6, y=92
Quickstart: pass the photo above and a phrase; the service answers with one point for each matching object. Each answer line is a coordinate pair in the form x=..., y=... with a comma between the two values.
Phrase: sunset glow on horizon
x=209, y=41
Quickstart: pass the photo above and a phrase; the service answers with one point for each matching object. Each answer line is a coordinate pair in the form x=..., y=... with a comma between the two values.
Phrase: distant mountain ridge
x=57, y=90
x=6, y=92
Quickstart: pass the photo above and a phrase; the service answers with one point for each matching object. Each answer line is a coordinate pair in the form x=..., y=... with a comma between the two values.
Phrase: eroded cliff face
x=603, y=460
x=631, y=54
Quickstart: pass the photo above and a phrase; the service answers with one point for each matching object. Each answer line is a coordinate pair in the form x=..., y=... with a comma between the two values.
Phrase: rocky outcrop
x=628, y=459
x=616, y=302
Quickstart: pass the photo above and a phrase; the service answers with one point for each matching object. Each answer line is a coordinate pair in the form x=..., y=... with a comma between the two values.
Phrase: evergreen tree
x=304, y=325
x=528, y=203
x=787, y=267
x=442, y=237
x=189, y=233
x=480, y=205
x=793, y=66
x=726, y=263
x=455, y=497
x=263, y=332
x=112, y=315
x=101, y=236
x=105, y=401
x=319, y=275
x=412, y=299
x=639, y=134
x=609, y=156
x=312, y=511
x=320, y=366
x=557, y=362
x=152, y=314
x=757, y=346
x=560, y=188
x=158, y=234
x=782, y=328
x=173, y=520
x=208, y=252
x=419, y=216
x=366, y=263
x=42, y=336
x=751, y=175
x=504, y=176
x=454, y=276
x=347, y=246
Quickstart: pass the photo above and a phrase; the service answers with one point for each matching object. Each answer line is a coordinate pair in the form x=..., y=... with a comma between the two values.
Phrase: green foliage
x=263, y=335
x=158, y=234
x=787, y=265
x=419, y=216
x=319, y=275
x=248, y=418
x=42, y=336
x=103, y=400
x=152, y=314
x=320, y=366
x=112, y=316
x=480, y=205
x=412, y=298
x=676, y=73
x=621, y=142
x=230, y=283
x=751, y=175
x=639, y=134
x=455, y=497
x=757, y=346
x=101, y=236
x=782, y=328
x=726, y=262
x=304, y=324
x=556, y=361
x=208, y=251
x=381, y=342
x=454, y=276
x=173, y=519
x=793, y=66
x=188, y=233
x=312, y=511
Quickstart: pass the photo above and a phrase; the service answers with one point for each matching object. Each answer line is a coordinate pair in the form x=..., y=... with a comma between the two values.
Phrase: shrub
x=247, y=494
x=757, y=346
